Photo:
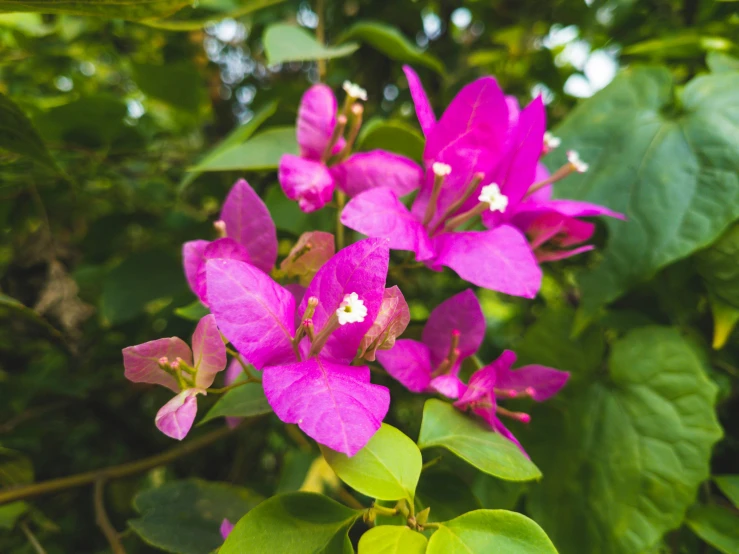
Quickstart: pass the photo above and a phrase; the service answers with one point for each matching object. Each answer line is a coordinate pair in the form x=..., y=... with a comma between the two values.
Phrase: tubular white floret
x=440, y=169
x=351, y=309
x=550, y=141
x=492, y=196
x=355, y=91
x=577, y=164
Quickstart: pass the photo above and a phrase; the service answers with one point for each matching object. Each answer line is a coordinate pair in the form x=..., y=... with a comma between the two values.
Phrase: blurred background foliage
x=94, y=209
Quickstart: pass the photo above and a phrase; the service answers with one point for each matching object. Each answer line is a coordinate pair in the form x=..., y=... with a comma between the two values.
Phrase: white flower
x=355, y=91
x=550, y=141
x=491, y=194
x=575, y=161
x=440, y=169
x=351, y=309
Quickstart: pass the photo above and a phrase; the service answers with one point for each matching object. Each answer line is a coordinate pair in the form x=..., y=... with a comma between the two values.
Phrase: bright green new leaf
x=446, y=494
x=9, y=514
x=298, y=523
x=192, y=312
x=719, y=266
x=725, y=318
x=122, y=9
x=672, y=170
x=387, y=468
x=729, y=485
x=288, y=43
x=392, y=135
x=391, y=42
x=244, y=401
x=718, y=62
x=392, y=539
x=718, y=526
x=239, y=135
x=185, y=516
x=490, y=531
x=445, y=426
x=627, y=450
x=18, y=134
x=261, y=152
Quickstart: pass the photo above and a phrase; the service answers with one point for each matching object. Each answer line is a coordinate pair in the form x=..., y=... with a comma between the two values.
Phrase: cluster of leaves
x=121, y=135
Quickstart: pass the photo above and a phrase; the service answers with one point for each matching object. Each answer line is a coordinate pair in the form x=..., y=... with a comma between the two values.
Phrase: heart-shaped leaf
x=288, y=43
x=392, y=539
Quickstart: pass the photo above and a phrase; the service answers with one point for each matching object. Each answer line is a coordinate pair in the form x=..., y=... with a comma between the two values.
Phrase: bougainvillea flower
x=312, y=250
x=249, y=235
x=391, y=321
x=226, y=528
x=454, y=331
x=497, y=380
x=171, y=363
x=324, y=163
x=307, y=376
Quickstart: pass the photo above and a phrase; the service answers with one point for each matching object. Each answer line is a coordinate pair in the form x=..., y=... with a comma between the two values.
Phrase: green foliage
x=185, y=516
x=387, y=468
x=18, y=135
x=640, y=435
x=296, y=522
x=448, y=428
x=490, y=531
x=129, y=9
x=243, y=401
x=393, y=135
x=718, y=266
x=717, y=526
x=288, y=43
x=391, y=539
x=261, y=152
x=729, y=485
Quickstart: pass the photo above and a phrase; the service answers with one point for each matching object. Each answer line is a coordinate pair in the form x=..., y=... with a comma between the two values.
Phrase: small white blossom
x=351, y=309
x=575, y=161
x=550, y=141
x=355, y=91
x=491, y=194
x=440, y=169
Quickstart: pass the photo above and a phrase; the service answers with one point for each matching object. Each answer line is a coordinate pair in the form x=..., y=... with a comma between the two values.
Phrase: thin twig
x=349, y=500
x=321, y=35
x=101, y=518
x=32, y=538
x=114, y=472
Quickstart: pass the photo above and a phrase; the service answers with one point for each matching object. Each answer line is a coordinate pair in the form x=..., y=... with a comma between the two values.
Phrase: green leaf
x=239, y=135
x=17, y=134
x=185, y=516
x=393, y=135
x=262, y=152
x=626, y=450
x=446, y=494
x=10, y=303
x=392, y=539
x=670, y=170
x=288, y=216
x=391, y=42
x=717, y=526
x=15, y=468
x=298, y=523
x=179, y=84
x=192, y=312
x=445, y=426
x=725, y=318
x=718, y=62
x=490, y=531
x=245, y=8
x=288, y=43
x=122, y=9
x=719, y=266
x=387, y=468
x=9, y=514
x=729, y=485
x=137, y=281
x=244, y=401
x=496, y=494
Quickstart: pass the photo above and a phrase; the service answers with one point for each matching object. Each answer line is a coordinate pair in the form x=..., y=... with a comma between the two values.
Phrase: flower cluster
x=312, y=325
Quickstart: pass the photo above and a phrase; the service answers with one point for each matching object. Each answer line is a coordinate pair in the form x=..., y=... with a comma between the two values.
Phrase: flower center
x=491, y=194
x=351, y=309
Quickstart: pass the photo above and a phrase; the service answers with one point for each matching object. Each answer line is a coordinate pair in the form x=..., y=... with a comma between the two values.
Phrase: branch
x=101, y=518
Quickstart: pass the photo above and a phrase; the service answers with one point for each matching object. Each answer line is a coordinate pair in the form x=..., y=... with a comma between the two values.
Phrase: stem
x=431, y=463
x=340, y=201
x=349, y=500
x=321, y=35
x=383, y=511
x=234, y=385
x=113, y=472
x=32, y=539
x=101, y=518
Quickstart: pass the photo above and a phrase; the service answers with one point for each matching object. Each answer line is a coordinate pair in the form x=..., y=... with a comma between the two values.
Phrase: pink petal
x=541, y=381
x=575, y=208
x=225, y=248
x=461, y=312
x=209, y=352
x=192, y=259
x=312, y=250
x=392, y=319
x=254, y=313
x=334, y=404
x=449, y=385
x=556, y=255
x=409, y=362
x=176, y=417
x=424, y=111
x=316, y=121
x=249, y=223
x=483, y=381
x=499, y=259
x=560, y=229
x=379, y=213
x=226, y=528
x=377, y=168
x=306, y=181
x=489, y=415
x=361, y=268
x=141, y=362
